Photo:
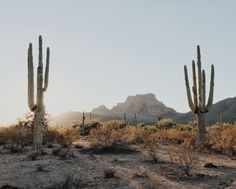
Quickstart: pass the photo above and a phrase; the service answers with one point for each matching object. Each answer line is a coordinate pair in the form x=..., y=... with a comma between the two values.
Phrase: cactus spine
x=37, y=107
x=198, y=104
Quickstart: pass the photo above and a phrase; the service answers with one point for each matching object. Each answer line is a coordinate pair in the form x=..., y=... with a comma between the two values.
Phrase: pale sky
x=105, y=50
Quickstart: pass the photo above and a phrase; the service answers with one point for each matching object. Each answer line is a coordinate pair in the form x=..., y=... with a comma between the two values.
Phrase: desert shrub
x=52, y=136
x=186, y=128
x=86, y=127
x=15, y=139
x=157, y=183
x=165, y=124
x=188, y=161
x=69, y=183
x=173, y=136
x=222, y=139
x=109, y=173
x=136, y=134
x=70, y=135
x=26, y=122
x=184, y=157
x=109, y=138
x=18, y=135
x=154, y=153
x=33, y=156
x=64, y=153
x=64, y=137
x=141, y=172
x=106, y=135
x=151, y=127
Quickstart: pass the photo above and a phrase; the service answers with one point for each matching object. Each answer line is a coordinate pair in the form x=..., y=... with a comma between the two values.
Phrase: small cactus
x=124, y=117
x=83, y=124
x=135, y=119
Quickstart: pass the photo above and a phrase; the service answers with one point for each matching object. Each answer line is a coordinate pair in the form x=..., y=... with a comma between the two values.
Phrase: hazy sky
x=104, y=50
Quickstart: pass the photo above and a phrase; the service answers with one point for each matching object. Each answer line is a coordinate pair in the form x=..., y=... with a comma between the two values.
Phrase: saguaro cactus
x=83, y=118
x=198, y=105
x=83, y=124
x=42, y=84
x=135, y=119
x=124, y=117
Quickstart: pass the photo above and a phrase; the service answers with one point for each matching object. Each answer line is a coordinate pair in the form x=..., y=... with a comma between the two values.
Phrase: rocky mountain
x=101, y=110
x=140, y=103
x=147, y=109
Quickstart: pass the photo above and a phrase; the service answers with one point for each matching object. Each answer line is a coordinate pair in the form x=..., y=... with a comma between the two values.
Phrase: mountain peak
x=141, y=103
x=101, y=110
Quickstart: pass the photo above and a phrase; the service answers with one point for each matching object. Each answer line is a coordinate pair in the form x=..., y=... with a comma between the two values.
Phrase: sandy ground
x=132, y=170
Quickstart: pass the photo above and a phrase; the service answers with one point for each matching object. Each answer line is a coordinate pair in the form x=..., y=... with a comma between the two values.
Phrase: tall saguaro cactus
x=198, y=104
x=42, y=84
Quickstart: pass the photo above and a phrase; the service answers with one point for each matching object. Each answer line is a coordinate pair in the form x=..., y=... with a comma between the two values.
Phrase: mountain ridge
x=147, y=109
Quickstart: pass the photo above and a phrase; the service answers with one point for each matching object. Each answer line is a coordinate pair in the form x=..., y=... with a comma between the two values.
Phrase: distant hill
x=147, y=108
x=227, y=109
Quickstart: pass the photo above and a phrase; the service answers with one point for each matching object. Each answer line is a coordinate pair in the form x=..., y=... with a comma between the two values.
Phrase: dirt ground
x=135, y=170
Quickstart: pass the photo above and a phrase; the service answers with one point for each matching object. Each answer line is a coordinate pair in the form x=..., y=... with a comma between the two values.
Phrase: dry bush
x=69, y=183
x=19, y=135
x=156, y=183
x=188, y=161
x=165, y=124
x=52, y=136
x=62, y=136
x=86, y=127
x=105, y=135
x=15, y=139
x=64, y=153
x=141, y=172
x=174, y=136
x=109, y=173
x=70, y=134
x=154, y=153
x=222, y=138
x=137, y=134
x=184, y=157
x=33, y=156
x=109, y=138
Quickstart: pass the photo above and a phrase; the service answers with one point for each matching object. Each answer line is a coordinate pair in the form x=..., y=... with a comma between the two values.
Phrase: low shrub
x=165, y=124
x=109, y=173
x=85, y=129
x=15, y=139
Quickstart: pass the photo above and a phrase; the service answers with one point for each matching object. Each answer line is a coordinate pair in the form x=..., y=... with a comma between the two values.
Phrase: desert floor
x=131, y=170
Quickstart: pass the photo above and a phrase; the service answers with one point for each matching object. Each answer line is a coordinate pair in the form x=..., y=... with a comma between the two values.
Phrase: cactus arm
x=40, y=75
x=40, y=52
x=31, y=102
x=190, y=101
x=199, y=75
x=203, y=91
x=194, y=84
x=211, y=93
x=46, y=70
